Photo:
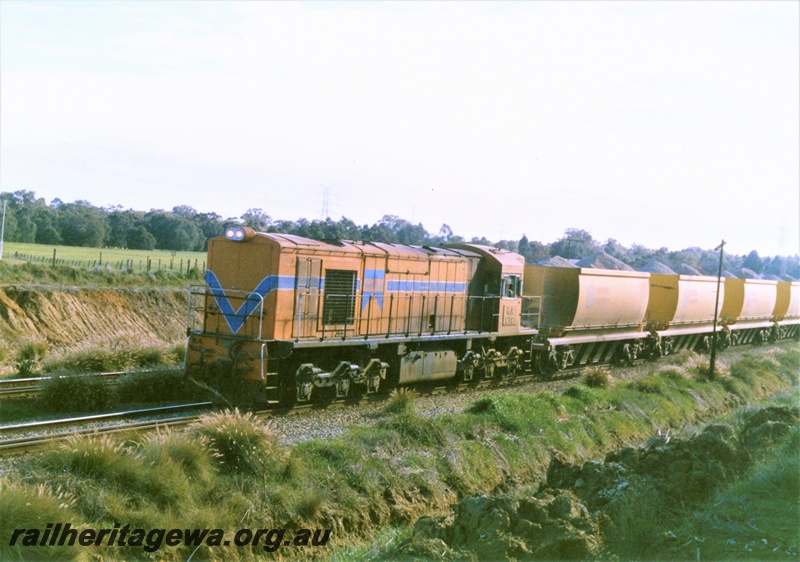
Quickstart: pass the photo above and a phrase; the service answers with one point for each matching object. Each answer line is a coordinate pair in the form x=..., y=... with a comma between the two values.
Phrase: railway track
x=28, y=387
x=40, y=440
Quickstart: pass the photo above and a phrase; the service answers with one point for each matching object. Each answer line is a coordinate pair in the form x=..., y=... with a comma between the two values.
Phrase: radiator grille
x=340, y=297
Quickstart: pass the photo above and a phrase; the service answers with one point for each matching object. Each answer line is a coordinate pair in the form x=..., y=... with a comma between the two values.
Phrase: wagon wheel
x=565, y=357
x=722, y=341
x=626, y=354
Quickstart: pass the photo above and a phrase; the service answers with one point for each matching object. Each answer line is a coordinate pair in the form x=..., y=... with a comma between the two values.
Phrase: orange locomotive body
x=292, y=319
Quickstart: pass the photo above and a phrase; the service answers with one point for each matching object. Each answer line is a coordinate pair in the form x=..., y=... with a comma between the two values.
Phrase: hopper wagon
x=787, y=310
x=588, y=316
x=680, y=313
x=747, y=314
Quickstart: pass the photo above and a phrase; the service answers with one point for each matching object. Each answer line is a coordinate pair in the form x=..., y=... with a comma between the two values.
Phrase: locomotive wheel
x=287, y=390
x=324, y=395
x=544, y=364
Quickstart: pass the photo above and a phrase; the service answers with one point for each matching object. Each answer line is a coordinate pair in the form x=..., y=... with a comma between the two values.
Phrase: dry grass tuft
x=401, y=402
x=598, y=377
x=240, y=442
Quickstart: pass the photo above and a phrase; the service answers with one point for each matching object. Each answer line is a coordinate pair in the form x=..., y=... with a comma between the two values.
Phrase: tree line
x=32, y=220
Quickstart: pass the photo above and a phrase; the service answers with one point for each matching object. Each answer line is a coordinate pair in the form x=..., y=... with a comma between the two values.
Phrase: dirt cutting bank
x=69, y=316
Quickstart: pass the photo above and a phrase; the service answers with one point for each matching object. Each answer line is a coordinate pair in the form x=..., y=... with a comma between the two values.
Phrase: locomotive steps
x=386, y=472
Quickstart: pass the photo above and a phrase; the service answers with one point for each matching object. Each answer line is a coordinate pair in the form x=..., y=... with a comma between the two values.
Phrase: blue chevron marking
x=236, y=318
x=373, y=285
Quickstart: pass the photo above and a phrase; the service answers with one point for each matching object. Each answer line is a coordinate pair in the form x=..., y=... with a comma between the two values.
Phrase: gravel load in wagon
x=657, y=267
x=602, y=260
x=556, y=261
x=686, y=269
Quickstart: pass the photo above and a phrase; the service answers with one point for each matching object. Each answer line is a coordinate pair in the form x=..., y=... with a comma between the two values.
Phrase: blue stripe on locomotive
x=373, y=285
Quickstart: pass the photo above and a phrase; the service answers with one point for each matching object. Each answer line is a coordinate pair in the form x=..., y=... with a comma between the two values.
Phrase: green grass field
x=74, y=255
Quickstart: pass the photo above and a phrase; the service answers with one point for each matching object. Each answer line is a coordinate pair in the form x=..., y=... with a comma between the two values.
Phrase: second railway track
x=38, y=440
x=28, y=387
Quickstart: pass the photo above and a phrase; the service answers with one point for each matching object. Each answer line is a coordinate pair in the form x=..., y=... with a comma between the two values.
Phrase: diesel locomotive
x=287, y=319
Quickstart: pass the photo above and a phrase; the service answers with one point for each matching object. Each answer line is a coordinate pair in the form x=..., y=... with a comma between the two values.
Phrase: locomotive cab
x=495, y=293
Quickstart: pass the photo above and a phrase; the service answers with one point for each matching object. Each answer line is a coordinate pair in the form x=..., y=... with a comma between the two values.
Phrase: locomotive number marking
x=509, y=316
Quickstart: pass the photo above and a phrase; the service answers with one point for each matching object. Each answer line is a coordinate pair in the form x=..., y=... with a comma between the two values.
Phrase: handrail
x=209, y=310
x=410, y=315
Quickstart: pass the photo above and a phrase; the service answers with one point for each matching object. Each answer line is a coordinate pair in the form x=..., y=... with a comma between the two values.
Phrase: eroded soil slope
x=67, y=316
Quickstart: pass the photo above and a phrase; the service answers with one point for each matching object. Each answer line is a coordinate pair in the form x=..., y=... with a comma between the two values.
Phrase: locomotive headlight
x=235, y=233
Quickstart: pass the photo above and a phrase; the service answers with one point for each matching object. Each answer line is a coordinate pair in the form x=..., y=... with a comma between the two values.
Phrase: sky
x=665, y=124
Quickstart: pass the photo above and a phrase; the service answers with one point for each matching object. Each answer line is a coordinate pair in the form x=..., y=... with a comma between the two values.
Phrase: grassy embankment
x=230, y=472
x=757, y=518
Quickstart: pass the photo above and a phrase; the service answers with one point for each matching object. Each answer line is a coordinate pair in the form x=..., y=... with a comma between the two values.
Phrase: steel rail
x=30, y=386
x=32, y=442
x=100, y=417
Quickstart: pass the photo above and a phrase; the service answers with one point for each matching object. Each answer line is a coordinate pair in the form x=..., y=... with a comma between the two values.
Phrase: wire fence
x=148, y=264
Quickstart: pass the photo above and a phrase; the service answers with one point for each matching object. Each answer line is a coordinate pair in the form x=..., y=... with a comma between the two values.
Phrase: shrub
x=123, y=353
x=416, y=429
x=33, y=507
x=678, y=372
x=29, y=356
x=597, y=377
x=165, y=385
x=240, y=442
x=69, y=392
x=650, y=385
x=98, y=457
x=401, y=401
x=189, y=453
x=105, y=461
x=583, y=393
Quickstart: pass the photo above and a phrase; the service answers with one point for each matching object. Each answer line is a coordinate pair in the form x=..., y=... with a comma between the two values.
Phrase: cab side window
x=512, y=286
